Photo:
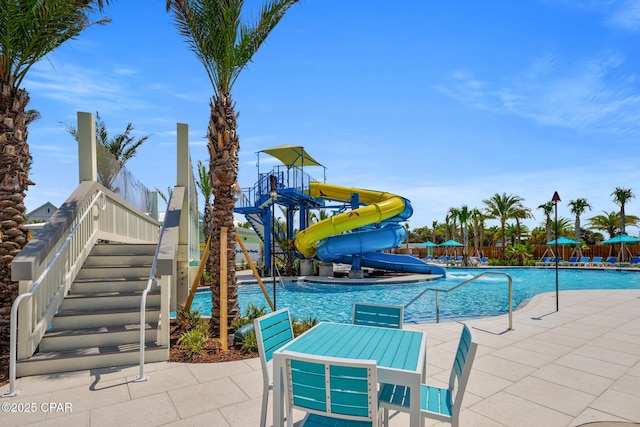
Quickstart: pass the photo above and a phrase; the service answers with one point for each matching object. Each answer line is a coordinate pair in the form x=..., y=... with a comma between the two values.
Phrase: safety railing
x=167, y=250
x=466, y=282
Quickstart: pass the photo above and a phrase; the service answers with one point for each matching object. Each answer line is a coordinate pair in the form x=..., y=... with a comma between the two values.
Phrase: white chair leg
x=263, y=414
x=386, y=417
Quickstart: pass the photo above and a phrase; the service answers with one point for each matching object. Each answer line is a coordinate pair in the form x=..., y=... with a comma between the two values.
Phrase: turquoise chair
x=332, y=391
x=381, y=315
x=442, y=404
x=272, y=332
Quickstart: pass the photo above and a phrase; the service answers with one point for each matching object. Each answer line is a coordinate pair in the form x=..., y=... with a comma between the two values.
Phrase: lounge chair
x=380, y=315
x=332, y=391
x=441, y=404
x=571, y=261
x=635, y=261
x=544, y=261
x=610, y=261
x=583, y=261
x=484, y=260
x=596, y=261
x=272, y=332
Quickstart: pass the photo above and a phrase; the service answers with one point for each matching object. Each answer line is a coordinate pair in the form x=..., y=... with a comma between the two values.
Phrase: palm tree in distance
x=578, y=206
x=118, y=149
x=547, y=208
x=30, y=29
x=521, y=212
x=204, y=184
x=476, y=218
x=620, y=197
x=502, y=207
x=224, y=44
x=464, y=215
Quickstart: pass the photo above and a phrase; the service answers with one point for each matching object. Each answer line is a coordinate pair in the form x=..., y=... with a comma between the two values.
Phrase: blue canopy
x=563, y=241
x=621, y=238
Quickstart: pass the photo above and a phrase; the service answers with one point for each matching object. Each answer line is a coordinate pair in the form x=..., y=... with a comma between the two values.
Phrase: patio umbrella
x=428, y=245
x=450, y=243
x=621, y=239
x=563, y=241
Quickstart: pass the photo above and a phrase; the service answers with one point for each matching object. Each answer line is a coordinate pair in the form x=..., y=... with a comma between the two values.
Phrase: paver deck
x=566, y=368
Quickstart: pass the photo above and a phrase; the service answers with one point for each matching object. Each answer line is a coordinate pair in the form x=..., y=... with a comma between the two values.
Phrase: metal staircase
x=98, y=322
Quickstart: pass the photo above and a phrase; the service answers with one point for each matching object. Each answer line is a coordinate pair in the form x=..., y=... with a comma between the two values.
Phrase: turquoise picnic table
x=400, y=357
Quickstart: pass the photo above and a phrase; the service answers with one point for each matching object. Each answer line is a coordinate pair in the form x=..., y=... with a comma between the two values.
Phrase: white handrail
x=170, y=222
x=143, y=305
x=486, y=273
x=14, y=308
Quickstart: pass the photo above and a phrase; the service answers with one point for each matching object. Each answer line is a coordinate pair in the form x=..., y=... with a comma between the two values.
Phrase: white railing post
x=87, y=158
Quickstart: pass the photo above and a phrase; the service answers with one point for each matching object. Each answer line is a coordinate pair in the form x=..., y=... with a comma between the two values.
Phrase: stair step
x=109, y=285
x=90, y=358
x=65, y=339
x=117, y=260
x=103, y=272
x=113, y=299
x=123, y=249
x=101, y=317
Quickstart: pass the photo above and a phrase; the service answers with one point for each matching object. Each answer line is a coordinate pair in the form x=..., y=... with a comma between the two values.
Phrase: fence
x=537, y=253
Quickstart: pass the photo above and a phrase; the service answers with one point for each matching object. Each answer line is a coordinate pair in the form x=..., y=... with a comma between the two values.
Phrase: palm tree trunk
x=224, y=145
x=15, y=162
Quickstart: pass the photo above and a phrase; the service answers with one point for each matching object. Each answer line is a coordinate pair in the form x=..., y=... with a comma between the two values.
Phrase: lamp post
x=555, y=199
x=273, y=183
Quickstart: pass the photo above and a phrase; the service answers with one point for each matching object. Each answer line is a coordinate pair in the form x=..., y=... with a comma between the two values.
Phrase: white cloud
x=594, y=95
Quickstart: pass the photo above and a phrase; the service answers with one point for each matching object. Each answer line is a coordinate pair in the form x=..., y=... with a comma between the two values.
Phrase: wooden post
x=196, y=280
x=224, y=339
x=255, y=272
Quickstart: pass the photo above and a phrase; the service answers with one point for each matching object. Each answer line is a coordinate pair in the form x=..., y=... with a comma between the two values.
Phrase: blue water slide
x=366, y=244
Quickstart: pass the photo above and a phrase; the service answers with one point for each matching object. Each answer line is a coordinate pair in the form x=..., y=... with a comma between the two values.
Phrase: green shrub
x=300, y=326
x=188, y=319
x=250, y=342
x=251, y=312
x=193, y=341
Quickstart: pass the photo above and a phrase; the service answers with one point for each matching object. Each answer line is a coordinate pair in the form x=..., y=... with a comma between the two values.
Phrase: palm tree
x=204, y=184
x=120, y=148
x=620, y=197
x=578, y=206
x=476, y=217
x=547, y=208
x=607, y=221
x=522, y=212
x=434, y=224
x=464, y=215
x=30, y=30
x=502, y=207
x=225, y=45
x=453, y=215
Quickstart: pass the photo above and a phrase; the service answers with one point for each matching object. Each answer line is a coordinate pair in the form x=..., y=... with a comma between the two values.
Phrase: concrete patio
x=566, y=368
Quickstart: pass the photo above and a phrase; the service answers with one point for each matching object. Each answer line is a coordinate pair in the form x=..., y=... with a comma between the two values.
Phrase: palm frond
x=31, y=29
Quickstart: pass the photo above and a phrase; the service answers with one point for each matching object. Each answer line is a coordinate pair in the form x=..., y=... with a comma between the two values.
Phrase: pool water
x=487, y=296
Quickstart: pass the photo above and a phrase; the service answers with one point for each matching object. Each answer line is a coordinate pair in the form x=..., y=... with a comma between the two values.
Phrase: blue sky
x=444, y=103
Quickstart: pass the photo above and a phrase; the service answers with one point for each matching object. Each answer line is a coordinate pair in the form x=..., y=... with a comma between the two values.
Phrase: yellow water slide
x=379, y=207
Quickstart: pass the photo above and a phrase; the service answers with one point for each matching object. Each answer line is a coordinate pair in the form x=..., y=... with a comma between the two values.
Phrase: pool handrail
x=486, y=273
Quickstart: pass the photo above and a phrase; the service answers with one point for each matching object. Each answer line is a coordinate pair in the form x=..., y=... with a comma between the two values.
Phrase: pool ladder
x=486, y=273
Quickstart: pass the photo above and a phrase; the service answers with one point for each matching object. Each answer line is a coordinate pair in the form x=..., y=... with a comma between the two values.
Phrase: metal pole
x=555, y=199
x=273, y=251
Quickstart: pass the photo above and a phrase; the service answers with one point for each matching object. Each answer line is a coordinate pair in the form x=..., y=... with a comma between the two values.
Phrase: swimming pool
x=487, y=296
